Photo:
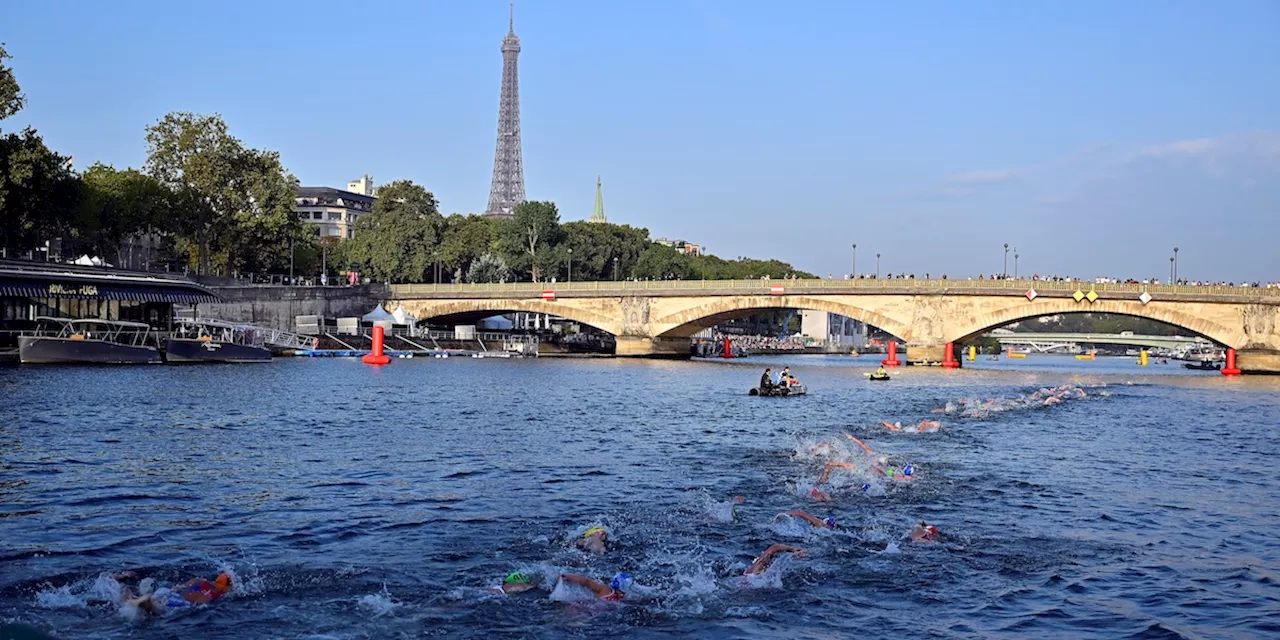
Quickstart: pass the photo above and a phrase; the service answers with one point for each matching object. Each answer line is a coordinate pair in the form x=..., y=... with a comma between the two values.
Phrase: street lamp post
x=1175, y=264
x=1170, y=269
x=290, y=259
x=877, y=266
x=615, y=269
x=1015, y=263
x=324, y=262
x=570, y=265
x=855, y=261
x=1005, y=272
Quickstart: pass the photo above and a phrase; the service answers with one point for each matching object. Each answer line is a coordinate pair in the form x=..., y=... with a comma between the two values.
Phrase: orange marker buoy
x=377, y=357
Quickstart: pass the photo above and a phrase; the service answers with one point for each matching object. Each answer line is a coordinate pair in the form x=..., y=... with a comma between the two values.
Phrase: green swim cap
x=516, y=577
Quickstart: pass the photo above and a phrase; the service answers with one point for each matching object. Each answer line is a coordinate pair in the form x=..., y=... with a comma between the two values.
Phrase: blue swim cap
x=866, y=487
x=830, y=522
x=620, y=582
x=906, y=471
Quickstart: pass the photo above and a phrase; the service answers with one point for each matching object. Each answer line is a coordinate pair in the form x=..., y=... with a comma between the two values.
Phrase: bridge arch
x=428, y=309
x=1165, y=313
x=686, y=322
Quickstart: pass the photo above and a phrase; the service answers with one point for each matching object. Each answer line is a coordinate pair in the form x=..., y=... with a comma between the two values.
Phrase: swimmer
x=832, y=465
x=765, y=560
x=515, y=582
x=924, y=532
x=892, y=426
x=826, y=523
x=882, y=466
x=615, y=590
x=593, y=540
x=157, y=601
x=860, y=444
x=928, y=426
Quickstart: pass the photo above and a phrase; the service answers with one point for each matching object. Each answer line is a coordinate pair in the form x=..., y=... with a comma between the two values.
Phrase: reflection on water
x=353, y=502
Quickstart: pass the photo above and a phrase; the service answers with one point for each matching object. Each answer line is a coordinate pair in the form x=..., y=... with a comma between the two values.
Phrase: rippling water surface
x=353, y=502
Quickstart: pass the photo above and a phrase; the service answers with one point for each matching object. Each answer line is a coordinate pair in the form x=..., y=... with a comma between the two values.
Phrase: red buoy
x=377, y=356
x=728, y=349
x=892, y=360
x=1230, y=369
x=949, y=356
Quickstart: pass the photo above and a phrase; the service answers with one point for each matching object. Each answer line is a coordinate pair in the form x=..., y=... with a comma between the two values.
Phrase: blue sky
x=1094, y=136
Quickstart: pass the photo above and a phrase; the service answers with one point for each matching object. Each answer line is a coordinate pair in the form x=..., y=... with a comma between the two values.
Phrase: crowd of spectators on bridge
x=756, y=343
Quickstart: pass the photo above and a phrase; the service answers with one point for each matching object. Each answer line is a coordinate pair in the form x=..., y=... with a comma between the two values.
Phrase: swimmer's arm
x=601, y=590
x=807, y=518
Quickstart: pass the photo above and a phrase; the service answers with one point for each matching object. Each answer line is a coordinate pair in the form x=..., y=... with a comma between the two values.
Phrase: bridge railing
x=863, y=285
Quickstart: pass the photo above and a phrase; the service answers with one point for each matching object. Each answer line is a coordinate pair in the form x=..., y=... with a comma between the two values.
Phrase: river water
x=352, y=502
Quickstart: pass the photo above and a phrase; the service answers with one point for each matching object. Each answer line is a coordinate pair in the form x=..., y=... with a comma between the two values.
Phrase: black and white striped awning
x=22, y=282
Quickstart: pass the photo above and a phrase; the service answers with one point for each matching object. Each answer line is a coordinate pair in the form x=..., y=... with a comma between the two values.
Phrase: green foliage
x=1106, y=323
x=11, y=98
x=464, y=240
x=488, y=268
x=39, y=194
x=714, y=268
x=596, y=245
x=530, y=239
x=238, y=202
x=118, y=203
x=397, y=241
x=660, y=262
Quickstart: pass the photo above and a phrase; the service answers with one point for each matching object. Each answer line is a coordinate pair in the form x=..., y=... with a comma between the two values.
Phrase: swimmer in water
x=515, y=582
x=157, y=601
x=765, y=560
x=615, y=590
x=818, y=494
x=826, y=523
x=593, y=540
x=924, y=532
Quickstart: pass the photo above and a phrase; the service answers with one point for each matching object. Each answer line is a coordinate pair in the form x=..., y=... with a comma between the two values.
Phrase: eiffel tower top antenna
x=511, y=17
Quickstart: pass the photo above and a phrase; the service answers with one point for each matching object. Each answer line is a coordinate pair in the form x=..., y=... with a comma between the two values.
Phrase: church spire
x=597, y=214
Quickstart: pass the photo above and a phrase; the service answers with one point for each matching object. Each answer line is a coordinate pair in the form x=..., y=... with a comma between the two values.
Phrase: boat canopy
x=378, y=314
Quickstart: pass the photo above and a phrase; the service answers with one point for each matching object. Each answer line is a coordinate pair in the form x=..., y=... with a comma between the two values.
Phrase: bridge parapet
x=666, y=288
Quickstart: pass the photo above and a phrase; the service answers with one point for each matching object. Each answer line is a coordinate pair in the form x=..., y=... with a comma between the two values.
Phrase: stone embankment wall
x=277, y=306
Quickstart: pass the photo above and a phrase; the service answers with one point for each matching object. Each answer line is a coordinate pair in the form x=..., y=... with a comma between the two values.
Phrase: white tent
x=403, y=317
x=497, y=323
x=378, y=314
x=90, y=262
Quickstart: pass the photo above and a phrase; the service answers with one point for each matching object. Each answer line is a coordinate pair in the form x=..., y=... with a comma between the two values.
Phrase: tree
x=531, y=237
x=397, y=241
x=11, y=98
x=464, y=240
x=596, y=246
x=660, y=262
x=39, y=194
x=488, y=268
x=119, y=204
x=238, y=201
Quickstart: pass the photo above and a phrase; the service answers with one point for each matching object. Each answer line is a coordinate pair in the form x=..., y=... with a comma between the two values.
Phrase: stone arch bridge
x=657, y=318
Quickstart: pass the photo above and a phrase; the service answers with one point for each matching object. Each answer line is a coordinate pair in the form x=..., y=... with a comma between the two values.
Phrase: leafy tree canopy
x=397, y=241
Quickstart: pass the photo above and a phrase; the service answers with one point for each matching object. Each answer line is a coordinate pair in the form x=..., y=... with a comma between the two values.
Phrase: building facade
x=363, y=186
x=333, y=212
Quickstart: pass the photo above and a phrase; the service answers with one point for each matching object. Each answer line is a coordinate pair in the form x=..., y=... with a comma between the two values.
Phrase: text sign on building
x=82, y=290
x=548, y=294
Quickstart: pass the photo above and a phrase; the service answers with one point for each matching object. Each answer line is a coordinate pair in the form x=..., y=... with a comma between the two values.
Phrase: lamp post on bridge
x=1175, y=265
x=877, y=266
x=1004, y=273
x=570, y=272
x=1171, y=270
x=615, y=268
x=1015, y=263
x=854, y=275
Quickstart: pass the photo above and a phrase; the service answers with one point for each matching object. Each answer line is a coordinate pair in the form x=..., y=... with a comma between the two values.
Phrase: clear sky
x=1092, y=135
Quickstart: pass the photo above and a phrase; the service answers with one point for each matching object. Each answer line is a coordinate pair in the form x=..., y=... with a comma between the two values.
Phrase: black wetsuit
x=765, y=381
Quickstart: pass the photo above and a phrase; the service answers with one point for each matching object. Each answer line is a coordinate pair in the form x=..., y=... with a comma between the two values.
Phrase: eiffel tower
x=507, y=189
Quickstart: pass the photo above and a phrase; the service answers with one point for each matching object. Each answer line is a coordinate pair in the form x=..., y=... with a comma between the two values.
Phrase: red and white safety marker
x=1031, y=294
x=548, y=294
x=775, y=290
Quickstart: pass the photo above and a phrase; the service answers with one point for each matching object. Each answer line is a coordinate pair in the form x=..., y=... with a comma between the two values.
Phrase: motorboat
x=779, y=391
x=875, y=377
x=88, y=340
x=216, y=341
x=1203, y=365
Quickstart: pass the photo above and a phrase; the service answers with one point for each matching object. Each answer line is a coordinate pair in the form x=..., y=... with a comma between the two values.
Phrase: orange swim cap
x=223, y=582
